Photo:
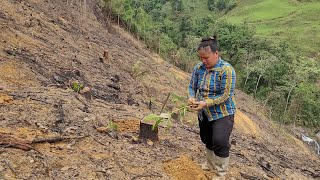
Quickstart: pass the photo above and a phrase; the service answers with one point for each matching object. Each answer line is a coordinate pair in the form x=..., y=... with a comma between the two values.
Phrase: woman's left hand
x=200, y=105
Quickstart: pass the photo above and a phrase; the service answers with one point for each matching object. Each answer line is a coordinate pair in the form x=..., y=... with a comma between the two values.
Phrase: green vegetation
x=138, y=70
x=157, y=119
x=274, y=70
x=112, y=126
x=77, y=87
x=221, y=5
x=296, y=22
x=179, y=112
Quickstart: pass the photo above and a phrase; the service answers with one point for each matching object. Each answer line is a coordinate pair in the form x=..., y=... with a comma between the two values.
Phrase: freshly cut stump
x=146, y=132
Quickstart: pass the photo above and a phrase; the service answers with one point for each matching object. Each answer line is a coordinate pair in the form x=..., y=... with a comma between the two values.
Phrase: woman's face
x=208, y=58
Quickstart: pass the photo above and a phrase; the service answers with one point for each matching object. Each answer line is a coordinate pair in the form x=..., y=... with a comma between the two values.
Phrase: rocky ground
x=46, y=46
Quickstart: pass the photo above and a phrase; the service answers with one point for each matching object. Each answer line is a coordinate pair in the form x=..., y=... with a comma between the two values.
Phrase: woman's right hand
x=191, y=101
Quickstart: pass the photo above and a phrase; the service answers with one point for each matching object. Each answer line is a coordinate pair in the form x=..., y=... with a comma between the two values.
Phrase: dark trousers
x=215, y=134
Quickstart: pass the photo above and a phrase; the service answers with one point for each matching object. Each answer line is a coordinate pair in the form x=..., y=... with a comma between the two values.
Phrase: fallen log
x=49, y=140
x=10, y=141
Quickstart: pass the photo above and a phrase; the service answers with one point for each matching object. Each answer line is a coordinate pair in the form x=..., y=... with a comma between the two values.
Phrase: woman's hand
x=191, y=101
x=198, y=105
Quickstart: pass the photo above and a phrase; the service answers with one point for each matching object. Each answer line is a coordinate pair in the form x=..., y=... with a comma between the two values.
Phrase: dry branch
x=10, y=141
x=55, y=139
x=98, y=141
x=10, y=166
x=165, y=102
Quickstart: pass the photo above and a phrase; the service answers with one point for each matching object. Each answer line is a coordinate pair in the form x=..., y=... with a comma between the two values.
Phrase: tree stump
x=146, y=132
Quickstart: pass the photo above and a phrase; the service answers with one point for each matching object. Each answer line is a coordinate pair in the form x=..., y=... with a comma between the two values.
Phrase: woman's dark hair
x=211, y=42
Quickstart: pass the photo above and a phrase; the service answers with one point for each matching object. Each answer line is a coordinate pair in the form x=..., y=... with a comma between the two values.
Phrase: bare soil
x=45, y=46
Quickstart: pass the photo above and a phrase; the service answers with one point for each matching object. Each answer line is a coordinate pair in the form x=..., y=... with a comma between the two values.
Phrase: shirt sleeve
x=192, y=88
x=228, y=81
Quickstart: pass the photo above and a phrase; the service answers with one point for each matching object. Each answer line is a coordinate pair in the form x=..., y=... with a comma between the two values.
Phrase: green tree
x=221, y=5
x=211, y=5
x=177, y=5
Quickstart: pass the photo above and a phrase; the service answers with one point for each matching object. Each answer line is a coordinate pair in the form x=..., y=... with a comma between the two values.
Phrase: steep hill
x=45, y=46
x=292, y=21
x=295, y=22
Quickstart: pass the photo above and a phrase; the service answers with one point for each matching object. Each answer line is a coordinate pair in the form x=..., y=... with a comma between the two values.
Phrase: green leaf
x=152, y=117
x=155, y=125
x=176, y=98
x=77, y=86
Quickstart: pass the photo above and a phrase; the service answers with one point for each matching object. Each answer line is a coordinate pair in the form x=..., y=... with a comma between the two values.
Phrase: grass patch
x=290, y=21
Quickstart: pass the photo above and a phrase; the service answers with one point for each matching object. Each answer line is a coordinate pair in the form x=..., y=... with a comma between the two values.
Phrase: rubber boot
x=221, y=165
x=207, y=165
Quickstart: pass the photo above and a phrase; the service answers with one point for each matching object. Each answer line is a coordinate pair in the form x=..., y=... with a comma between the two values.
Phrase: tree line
x=285, y=81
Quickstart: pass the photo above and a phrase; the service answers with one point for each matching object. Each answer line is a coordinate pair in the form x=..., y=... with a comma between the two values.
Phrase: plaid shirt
x=215, y=87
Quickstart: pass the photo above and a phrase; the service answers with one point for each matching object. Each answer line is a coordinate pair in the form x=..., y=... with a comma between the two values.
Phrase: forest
x=278, y=75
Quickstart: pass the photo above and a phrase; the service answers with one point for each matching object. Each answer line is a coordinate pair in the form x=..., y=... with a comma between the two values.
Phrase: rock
x=102, y=129
x=114, y=135
x=175, y=116
x=149, y=142
x=69, y=146
x=85, y=90
x=135, y=139
x=165, y=115
x=318, y=134
x=70, y=130
x=86, y=119
x=234, y=142
x=65, y=168
x=76, y=72
x=40, y=126
x=58, y=79
x=115, y=78
x=114, y=86
x=131, y=148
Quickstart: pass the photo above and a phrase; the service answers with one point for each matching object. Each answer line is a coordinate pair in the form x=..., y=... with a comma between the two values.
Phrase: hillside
x=47, y=45
x=292, y=21
x=295, y=22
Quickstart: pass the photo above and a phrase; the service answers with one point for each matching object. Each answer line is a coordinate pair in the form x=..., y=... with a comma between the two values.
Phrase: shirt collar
x=215, y=66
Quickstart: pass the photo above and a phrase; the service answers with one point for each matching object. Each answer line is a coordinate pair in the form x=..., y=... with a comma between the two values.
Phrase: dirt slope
x=47, y=45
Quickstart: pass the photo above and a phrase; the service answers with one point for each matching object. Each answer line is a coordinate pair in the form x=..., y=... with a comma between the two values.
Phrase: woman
x=211, y=93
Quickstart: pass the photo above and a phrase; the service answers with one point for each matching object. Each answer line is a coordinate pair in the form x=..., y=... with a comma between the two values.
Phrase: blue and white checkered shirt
x=216, y=87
